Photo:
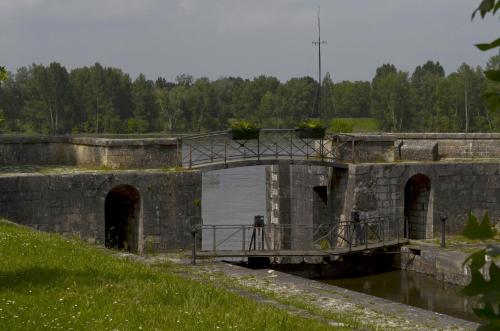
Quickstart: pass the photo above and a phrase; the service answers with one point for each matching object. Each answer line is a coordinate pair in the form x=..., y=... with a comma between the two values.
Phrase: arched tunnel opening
x=418, y=207
x=122, y=218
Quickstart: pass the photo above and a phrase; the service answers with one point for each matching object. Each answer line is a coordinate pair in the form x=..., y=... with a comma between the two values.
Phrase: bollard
x=443, y=230
x=194, y=231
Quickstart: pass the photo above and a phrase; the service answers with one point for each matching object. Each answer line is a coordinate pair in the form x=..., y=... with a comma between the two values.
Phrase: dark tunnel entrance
x=122, y=218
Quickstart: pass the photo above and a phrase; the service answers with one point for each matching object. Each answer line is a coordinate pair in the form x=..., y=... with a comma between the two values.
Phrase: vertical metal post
x=383, y=233
x=352, y=150
x=321, y=151
x=397, y=228
x=190, y=156
x=349, y=236
x=243, y=239
x=291, y=147
x=211, y=148
x=275, y=237
x=194, y=231
x=276, y=149
x=258, y=148
x=366, y=234
x=214, y=244
x=177, y=155
x=225, y=151
x=443, y=230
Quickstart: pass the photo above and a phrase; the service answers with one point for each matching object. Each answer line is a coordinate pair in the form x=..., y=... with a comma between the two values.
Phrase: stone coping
x=89, y=141
x=382, y=136
x=108, y=142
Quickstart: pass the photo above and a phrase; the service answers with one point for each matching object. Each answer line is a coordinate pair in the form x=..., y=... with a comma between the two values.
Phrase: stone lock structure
x=122, y=193
x=134, y=194
x=412, y=178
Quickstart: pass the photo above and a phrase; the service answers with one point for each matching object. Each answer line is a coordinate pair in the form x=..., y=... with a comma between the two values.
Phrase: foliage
x=98, y=99
x=492, y=96
x=3, y=74
x=311, y=129
x=485, y=280
x=312, y=123
x=52, y=283
x=362, y=124
x=475, y=230
x=340, y=125
x=242, y=129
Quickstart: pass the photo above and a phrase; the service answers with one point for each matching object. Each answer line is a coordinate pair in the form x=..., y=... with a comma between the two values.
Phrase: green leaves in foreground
x=487, y=6
x=492, y=98
x=474, y=230
x=485, y=283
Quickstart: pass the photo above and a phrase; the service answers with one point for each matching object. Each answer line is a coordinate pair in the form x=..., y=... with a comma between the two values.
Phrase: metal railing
x=272, y=144
x=272, y=238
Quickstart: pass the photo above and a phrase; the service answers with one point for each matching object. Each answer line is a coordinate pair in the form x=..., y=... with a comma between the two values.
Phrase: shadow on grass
x=43, y=277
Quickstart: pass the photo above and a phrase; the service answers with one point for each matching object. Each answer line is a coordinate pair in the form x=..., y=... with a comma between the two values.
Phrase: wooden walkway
x=302, y=253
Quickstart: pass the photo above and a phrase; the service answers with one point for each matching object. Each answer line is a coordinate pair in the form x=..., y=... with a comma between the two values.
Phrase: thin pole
x=317, y=112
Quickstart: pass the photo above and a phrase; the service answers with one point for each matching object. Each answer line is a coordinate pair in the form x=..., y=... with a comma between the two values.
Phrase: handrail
x=271, y=144
x=272, y=237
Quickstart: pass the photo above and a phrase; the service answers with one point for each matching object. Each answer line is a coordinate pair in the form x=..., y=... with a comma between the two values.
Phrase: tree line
x=52, y=100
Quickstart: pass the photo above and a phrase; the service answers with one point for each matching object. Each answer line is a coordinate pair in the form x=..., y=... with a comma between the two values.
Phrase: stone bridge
x=74, y=185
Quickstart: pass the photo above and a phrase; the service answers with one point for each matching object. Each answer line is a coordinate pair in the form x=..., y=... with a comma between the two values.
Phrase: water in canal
x=235, y=196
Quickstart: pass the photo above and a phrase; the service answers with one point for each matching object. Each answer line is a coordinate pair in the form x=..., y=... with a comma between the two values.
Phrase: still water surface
x=235, y=196
x=413, y=289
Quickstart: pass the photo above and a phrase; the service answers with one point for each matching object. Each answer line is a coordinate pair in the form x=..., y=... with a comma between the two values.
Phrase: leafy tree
x=390, y=98
x=3, y=74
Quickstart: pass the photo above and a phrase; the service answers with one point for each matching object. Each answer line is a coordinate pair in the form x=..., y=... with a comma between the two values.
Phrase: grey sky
x=242, y=37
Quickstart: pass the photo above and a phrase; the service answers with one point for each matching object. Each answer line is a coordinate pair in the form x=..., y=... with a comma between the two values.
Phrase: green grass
x=47, y=282
x=362, y=124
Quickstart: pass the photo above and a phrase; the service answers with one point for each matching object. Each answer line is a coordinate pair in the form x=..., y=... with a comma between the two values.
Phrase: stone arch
x=123, y=221
x=418, y=207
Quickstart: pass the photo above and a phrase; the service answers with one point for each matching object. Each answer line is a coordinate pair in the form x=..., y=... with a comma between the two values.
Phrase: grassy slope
x=47, y=282
x=363, y=124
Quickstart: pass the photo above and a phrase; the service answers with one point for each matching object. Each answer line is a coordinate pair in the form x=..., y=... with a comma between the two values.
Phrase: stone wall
x=296, y=197
x=74, y=204
x=414, y=195
x=388, y=147
x=455, y=190
x=98, y=152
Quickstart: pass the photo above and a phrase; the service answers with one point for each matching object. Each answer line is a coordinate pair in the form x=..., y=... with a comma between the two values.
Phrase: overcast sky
x=244, y=38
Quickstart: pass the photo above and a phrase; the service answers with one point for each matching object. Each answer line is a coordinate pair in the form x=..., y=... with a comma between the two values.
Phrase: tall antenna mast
x=316, y=112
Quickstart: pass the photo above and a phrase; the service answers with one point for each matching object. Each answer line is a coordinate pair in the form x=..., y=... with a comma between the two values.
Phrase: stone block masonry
x=73, y=204
x=414, y=194
x=89, y=151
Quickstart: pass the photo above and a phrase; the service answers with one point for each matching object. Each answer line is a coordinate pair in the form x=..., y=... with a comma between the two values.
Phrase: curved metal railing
x=271, y=144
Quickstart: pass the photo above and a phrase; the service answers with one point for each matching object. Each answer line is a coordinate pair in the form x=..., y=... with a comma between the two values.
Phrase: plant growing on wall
x=485, y=275
x=243, y=130
x=475, y=230
x=311, y=128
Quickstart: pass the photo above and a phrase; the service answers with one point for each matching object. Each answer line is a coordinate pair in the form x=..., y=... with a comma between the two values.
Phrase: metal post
x=275, y=236
x=258, y=149
x=397, y=228
x=443, y=230
x=194, y=231
x=211, y=148
x=366, y=233
x=243, y=239
x=383, y=233
x=291, y=147
x=349, y=236
x=352, y=150
x=214, y=245
x=321, y=150
x=225, y=152
x=190, y=156
x=177, y=154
